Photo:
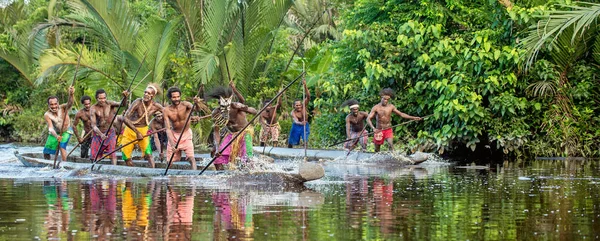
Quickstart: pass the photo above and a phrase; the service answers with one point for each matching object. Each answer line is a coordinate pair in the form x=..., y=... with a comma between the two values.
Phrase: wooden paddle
x=78, y=144
x=62, y=128
x=220, y=152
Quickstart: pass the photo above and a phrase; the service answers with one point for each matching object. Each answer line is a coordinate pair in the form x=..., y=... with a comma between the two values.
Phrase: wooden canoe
x=141, y=169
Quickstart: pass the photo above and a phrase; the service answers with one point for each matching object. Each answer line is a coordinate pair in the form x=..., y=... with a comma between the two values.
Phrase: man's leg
x=47, y=156
x=262, y=143
x=390, y=142
x=377, y=147
x=85, y=148
x=150, y=160
x=63, y=154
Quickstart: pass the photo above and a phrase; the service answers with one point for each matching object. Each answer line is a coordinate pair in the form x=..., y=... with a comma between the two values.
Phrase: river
x=437, y=200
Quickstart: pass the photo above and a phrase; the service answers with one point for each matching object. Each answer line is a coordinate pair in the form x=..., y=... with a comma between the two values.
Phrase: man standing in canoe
x=58, y=122
x=355, y=126
x=300, y=127
x=159, y=139
x=383, y=112
x=269, y=126
x=176, y=115
x=229, y=119
x=101, y=115
x=139, y=113
x=83, y=115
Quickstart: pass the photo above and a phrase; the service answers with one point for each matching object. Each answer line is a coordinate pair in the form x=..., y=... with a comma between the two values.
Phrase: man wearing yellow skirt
x=139, y=114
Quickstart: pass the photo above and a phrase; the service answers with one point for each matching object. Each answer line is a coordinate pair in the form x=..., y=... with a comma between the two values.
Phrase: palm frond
x=543, y=88
x=582, y=18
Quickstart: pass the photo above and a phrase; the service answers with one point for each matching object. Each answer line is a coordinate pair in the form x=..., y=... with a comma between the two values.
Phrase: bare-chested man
x=300, y=127
x=83, y=115
x=383, y=112
x=229, y=119
x=58, y=122
x=101, y=115
x=270, y=128
x=176, y=115
x=355, y=126
x=139, y=113
x=159, y=138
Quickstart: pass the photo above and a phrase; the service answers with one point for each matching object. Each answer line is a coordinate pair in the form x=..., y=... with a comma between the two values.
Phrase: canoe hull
x=140, y=170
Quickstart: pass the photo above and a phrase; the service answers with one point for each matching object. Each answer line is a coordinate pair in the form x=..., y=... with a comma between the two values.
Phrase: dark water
x=535, y=200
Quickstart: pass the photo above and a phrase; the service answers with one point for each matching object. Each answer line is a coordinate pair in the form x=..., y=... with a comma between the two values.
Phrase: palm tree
x=121, y=43
x=227, y=37
x=18, y=51
x=568, y=36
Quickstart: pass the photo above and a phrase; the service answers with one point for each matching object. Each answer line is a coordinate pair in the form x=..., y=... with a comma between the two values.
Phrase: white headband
x=354, y=106
x=154, y=88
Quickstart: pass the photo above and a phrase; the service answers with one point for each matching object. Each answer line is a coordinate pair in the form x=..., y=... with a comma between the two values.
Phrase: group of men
x=170, y=128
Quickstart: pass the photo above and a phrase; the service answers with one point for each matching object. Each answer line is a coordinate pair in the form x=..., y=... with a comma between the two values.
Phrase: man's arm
x=129, y=124
x=295, y=119
x=168, y=129
x=370, y=116
x=278, y=103
x=307, y=98
x=348, y=126
x=237, y=93
x=74, y=126
x=125, y=94
x=70, y=101
x=405, y=116
x=51, y=130
x=94, y=123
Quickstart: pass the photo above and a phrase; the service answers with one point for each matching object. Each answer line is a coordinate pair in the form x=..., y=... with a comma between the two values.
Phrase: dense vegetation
x=498, y=77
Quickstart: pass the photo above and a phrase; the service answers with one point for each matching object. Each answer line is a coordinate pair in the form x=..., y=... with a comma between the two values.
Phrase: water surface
x=534, y=200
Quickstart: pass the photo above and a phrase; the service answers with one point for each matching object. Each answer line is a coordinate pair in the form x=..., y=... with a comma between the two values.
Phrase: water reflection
x=545, y=200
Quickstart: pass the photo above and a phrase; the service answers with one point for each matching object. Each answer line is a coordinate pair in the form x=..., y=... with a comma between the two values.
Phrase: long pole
x=403, y=123
x=356, y=141
x=187, y=120
x=248, y=124
x=78, y=144
x=305, y=109
x=67, y=111
x=100, y=149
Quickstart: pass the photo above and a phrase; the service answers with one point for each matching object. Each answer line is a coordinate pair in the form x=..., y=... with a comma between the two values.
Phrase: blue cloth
x=52, y=142
x=296, y=134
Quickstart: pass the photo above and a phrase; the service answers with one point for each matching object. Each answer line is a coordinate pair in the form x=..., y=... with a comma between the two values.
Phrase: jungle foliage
x=498, y=77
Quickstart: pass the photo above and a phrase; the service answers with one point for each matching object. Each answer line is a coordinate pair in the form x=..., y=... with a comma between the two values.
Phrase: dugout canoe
x=340, y=156
x=141, y=169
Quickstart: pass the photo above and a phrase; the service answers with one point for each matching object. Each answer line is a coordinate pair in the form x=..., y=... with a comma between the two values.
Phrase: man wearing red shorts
x=383, y=111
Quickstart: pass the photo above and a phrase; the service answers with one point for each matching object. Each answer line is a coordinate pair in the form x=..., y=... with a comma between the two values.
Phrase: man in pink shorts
x=175, y=123
x=383, y=111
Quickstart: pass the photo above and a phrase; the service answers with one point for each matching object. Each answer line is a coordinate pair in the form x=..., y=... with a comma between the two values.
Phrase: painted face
x=101, y=99
x=53, y=105
x=158, y=116
x=224, y=103
x=385, y=100
x=149, y=94
x=354, y=111
x=175, y=98
x=298, y=105
x=87, y=104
